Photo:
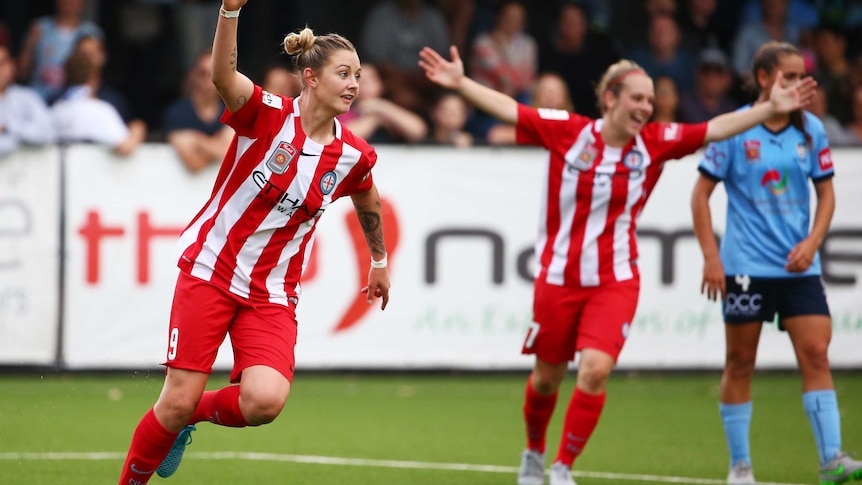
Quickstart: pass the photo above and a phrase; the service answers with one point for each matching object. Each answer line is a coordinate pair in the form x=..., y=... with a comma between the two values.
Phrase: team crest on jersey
x=585, y=158
x=801, y=151
x=281, y=158
x=327, y=182
x=633, y=160
x=752, y=151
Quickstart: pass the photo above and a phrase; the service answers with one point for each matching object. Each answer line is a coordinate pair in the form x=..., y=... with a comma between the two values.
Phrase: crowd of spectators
x=121, y=72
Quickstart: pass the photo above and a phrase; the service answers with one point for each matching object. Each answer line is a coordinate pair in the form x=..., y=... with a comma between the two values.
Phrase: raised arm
x=234, y=87
x=369, y=212
x=781, y=100
x=450, y=74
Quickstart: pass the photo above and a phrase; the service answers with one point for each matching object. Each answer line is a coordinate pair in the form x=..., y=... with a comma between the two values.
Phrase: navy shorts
x=751, y=299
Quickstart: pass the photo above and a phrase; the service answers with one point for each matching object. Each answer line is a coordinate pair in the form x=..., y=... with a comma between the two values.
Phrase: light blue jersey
x=54, y=47
x=768, y=195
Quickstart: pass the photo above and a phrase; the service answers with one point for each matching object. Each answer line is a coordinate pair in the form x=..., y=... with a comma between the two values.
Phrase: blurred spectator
x=579, y=55
x=630, y=21
x=835, y=132
x=833, y=70
x=772, y=25
x=24, y=117
x=459, y=16
x=448, y=121
x=550, y=91
x=664, y=55
x=506, y=58
x=5, y=36
x=712, y=82
x=195, y=23
x=80, y=116
x=278, y=79
x=392, y=35
x=192, y=124
x=801, y=13
x=93, y=48
x=700, y=27
x=853, y=131
x=666, y=104
x=378, y=120
x=49, y=43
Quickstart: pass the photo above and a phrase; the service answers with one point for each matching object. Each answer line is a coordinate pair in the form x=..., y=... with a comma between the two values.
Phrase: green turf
x=665, y=425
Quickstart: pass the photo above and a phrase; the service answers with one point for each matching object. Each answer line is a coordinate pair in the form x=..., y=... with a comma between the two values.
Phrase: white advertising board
x=29, y=256
x=460, y=234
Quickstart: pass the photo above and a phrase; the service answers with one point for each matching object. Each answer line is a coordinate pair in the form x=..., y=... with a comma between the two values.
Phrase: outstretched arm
x=369, y=212
x=234, y=87
x=450, y=74
x=781, y=100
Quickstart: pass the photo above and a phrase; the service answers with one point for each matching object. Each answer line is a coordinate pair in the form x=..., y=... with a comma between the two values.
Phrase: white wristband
x=379, y=264
x=229, y=14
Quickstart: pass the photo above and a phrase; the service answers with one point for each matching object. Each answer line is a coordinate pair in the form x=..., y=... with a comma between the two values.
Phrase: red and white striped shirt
x=594, y=193
x=254, y=234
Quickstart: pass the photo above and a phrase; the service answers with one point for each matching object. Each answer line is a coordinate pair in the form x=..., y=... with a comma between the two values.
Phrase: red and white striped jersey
x=254, y=234
x=594, y=193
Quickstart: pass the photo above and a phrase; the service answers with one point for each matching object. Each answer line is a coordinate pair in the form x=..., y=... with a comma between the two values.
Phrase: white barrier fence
x=460, y=236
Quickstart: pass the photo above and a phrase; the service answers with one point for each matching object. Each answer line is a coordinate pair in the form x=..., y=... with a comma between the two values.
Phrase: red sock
x=538, y=409
x=581, y=419
x=220, y=407
x=151, y=443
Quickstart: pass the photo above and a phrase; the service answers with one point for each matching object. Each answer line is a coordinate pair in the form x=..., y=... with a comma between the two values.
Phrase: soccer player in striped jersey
x=599, y=175
x=242, y=256
x=768, y=261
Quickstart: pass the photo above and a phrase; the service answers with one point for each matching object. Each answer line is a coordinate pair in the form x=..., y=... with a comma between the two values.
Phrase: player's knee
x=740, y=360
x=546, y=378
x=739, y=365
x=545, y=384
x=593, y=375
x=814, y=356
x=262, y=407
x=174, y=413
x=593, y=380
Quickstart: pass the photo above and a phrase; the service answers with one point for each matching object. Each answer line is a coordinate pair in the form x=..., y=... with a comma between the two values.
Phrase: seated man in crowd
x=193, y=125
x=81, y=116
x=24, y=117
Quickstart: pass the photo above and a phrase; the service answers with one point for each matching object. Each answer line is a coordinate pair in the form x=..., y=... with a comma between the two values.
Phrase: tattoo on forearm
x=233, y=58
x=373, y=229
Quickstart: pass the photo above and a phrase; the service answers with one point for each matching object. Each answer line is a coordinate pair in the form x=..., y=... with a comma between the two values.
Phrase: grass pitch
x=414, y=429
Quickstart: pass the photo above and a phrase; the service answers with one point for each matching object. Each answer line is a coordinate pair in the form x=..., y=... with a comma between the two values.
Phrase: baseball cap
x=712, y=57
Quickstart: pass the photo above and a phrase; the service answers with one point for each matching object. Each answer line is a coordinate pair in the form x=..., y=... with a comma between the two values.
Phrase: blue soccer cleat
x=171, y=462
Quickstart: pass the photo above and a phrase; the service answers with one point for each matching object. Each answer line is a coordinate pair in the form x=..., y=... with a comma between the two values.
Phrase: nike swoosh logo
x=139, y=472
x=837, y=471
x=302, y=152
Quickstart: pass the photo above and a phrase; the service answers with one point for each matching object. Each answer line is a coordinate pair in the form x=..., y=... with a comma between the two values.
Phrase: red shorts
x=566, y=320
x=202, y=315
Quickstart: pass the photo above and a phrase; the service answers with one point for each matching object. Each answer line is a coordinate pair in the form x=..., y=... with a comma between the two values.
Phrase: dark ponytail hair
x=767, y=59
